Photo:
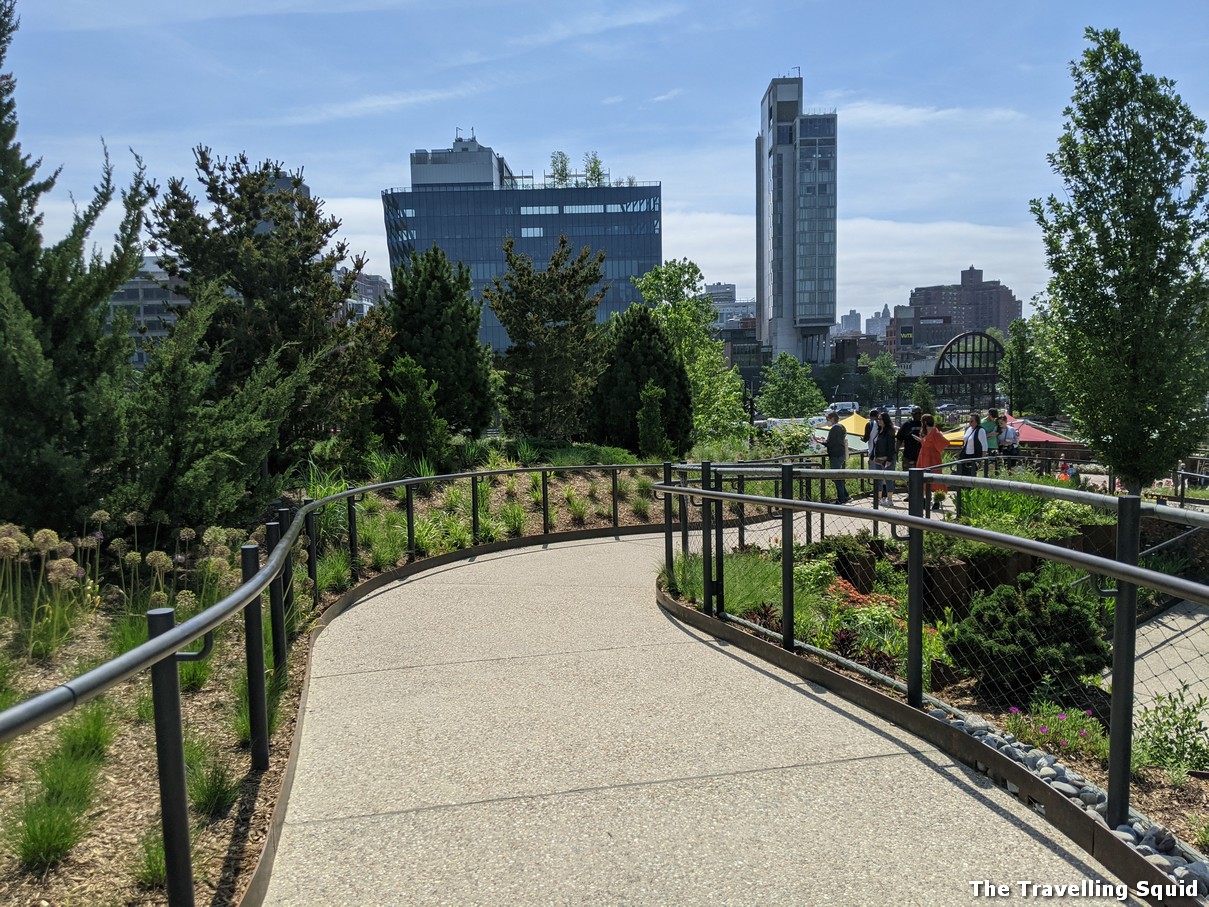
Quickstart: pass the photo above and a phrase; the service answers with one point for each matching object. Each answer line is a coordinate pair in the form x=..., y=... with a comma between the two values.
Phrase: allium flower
x=132, y=559
x=118, y=546
x=215, y=535
x=187, y=535
x=159, y=560
x=66, y=549
x=46, y=540
x=99, y=516
x=59, y=571
x=9, y=548
x=159, y=599
x=87, y=543
x=134, y=518
x=158, y=516
x=186, y=600
x=222, y=552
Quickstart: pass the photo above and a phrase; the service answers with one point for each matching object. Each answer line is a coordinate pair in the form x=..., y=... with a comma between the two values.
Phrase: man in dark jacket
x=837, y=454
x=908, y=438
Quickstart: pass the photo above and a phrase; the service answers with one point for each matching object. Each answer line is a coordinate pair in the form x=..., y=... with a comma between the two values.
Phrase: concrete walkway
x=529, y=728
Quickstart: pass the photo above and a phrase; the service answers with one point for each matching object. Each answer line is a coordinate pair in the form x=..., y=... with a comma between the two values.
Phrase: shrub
x=88, y=734
x=1171, y=734
x=332, y=571
x=578, y=509
x=1016, y=637
x=151, y=870
x=641, y=508
x=212, y=786
x=1058, y=730
x=513, y=515
x=45, y=832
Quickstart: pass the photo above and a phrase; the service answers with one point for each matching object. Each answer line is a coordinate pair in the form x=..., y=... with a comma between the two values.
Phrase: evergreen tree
x=637, y=352
x=550, y=317
x=788, y=391
x=64, y=377
x=422, y=433
x=1127, y=244
x=435, y=321
x=259, y=232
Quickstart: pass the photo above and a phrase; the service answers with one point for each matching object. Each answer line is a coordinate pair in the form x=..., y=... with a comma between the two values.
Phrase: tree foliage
x=637, y=352
x=257, y=231
x=1128, y=303
x=1026, y=370
x=921, y=396
x=64, y=377
x=435, y=321
x=881, y=377
x=550, y=316
x=788, y=391
x=560, y=169
x=676, y=291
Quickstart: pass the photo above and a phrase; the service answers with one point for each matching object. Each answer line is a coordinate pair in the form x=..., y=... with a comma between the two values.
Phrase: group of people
x=920, y=443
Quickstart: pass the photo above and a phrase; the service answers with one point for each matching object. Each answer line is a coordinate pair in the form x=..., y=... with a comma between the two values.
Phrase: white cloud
x=375, y=104
x=613, y=99
x=668, y=95
x=362, y=226
x=87, y=15
x=876, y=115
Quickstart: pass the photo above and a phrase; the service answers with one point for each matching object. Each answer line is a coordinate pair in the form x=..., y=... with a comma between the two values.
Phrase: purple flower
x=1088, y=713
x=1043, y=729
x=1062, y=716
x=1063, y=742
x=1014, y=710
x=1082, y=732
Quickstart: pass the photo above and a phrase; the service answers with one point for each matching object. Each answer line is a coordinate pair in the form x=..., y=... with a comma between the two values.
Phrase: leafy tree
x=1025, y=370
x=788, y=391
x=676, y=291
x=637, y=352
x=921, y=396
x=652, y=438
x=1128, y=305
x=64, y=377
x=550, y=317
x=193, y=455
x=560, y=169
x=594, y=174
x=435, y=321
x=881, y=376
x=260, y=233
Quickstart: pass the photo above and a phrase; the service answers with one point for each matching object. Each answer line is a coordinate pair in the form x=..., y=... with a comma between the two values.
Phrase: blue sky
x=946, y=110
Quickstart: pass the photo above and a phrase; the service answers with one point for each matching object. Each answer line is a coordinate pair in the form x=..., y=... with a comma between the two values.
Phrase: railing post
x=787, y=564
x=684, y=514
x=719, y=546
x=474, y=510
x=957, y=503
x=707, y=548
x=287, y=569
x=276, y=602
x=170, y=761
x=916, y=497
x=669, y=554
x=352, y=539
x=258, y=706
x=742, y=513
x=809, y=515
x=615, y=515
x=546, y=502
x=312, y=555
x=411, y=523
x=1124, y=638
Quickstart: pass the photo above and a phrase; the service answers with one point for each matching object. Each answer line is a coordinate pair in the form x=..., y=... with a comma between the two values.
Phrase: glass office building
x=466, y=200
x=796, y=169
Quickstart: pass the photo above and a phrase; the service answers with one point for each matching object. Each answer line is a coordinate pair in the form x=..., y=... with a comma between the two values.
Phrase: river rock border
x=1154, y=842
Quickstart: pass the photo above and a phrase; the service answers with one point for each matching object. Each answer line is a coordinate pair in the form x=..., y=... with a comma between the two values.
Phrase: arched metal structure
x=967, y=369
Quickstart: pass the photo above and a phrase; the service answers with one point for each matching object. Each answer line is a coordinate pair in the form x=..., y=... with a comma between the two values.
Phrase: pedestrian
x=932, y=447
x=990, y=425
x=870, y=432
x=908, y=438
x=837, y=454
x=973, y=446
x=882, y=456
x=1009, y=442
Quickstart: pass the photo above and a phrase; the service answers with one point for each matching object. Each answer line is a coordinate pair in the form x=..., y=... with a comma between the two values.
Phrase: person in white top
x=973, y=447
x=1009, y=442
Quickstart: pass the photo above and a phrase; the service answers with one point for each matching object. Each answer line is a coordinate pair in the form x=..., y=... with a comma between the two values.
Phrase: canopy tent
x=1029, y=434
x=854, y=425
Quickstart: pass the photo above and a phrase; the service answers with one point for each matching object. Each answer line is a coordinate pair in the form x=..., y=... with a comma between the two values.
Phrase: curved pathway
x=529, y=728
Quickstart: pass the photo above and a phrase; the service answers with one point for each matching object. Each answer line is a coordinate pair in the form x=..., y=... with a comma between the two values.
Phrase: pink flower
x=1014, y=710
x=1063, y=742
x=1043, y=729
x=1082, y=732
x=1088, y=713
x=1062, y=716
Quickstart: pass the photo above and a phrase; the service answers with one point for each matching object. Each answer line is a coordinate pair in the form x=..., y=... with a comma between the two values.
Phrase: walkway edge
x=1095, y=839
x=258, y=884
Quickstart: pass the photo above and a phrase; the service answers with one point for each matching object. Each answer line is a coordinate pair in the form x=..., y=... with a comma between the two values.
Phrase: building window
x=539, y=209
x=533, y=231
x=583, y=209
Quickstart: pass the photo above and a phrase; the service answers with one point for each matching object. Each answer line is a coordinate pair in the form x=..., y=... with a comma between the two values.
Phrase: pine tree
x=64, y=376
x=550, y=317
x=435, y=320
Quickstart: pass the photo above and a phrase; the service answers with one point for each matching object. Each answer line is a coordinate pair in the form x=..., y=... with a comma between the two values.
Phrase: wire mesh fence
x=1011, y=631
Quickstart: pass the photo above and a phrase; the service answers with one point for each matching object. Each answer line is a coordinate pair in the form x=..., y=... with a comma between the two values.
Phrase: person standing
x=973, y=446
x=990, y=425
x=932, y=447
x=883, y=450
x=837, y=454
x=1009, y=442
x=870, y=432
x=908, y=438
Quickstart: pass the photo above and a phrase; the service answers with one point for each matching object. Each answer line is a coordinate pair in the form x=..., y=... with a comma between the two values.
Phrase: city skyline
x=945, y=113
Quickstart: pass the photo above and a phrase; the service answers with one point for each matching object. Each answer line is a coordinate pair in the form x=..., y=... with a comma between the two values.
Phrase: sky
x=946, y=110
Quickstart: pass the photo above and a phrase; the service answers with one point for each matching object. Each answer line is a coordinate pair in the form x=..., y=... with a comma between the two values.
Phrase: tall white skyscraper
x=795, y=224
